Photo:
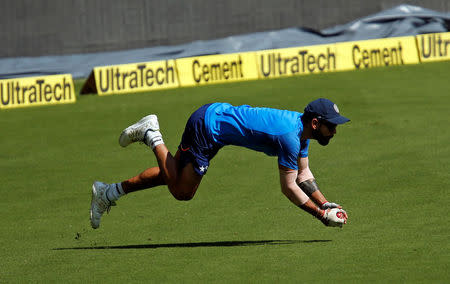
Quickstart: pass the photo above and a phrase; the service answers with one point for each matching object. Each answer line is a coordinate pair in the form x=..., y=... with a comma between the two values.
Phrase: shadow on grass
x=201, y=244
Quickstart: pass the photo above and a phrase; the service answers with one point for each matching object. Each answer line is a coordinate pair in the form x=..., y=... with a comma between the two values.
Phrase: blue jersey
x=272, y=131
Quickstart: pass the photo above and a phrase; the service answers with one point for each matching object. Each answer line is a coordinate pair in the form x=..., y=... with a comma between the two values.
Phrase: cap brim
x=338, y=120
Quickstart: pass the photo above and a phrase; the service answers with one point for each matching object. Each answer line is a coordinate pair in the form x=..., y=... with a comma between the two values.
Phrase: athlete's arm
x=307, y=183
x=293, y=192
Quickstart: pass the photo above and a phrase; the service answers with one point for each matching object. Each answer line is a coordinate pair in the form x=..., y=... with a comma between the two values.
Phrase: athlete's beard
x=323, y=140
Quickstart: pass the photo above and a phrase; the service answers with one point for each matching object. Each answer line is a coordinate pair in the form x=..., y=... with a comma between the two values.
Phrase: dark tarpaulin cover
x=403, y=20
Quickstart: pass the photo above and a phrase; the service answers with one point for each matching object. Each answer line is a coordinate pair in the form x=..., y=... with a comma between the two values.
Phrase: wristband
x=309, y=186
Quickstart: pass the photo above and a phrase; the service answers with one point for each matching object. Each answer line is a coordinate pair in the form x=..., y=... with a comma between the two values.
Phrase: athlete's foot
x=99, y=203
x=137, y=131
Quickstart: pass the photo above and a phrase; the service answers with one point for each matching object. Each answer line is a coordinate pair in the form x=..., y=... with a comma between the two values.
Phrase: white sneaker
x=136, y=132
x=99, y=203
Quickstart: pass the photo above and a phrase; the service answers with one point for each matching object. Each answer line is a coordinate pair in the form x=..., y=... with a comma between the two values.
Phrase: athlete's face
x=323, y=132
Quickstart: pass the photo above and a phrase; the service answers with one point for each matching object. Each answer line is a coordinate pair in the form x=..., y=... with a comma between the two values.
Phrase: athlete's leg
x=182, y=182
x=151, y=177
x=180, y=177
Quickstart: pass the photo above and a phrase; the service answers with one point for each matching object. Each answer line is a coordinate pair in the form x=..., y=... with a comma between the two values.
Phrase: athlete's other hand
x=330, y=205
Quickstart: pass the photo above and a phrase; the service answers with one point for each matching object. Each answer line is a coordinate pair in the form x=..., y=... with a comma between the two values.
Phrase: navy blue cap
x=325, y=109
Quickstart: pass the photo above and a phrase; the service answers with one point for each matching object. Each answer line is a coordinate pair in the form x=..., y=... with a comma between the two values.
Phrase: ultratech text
x=112, y=79
x=217, y=71
x=377, y=57
x=273, y=64
x=436, y=47
x=12, y=92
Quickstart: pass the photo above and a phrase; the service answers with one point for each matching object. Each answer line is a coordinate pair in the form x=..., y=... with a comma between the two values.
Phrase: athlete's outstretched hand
x=335, y=217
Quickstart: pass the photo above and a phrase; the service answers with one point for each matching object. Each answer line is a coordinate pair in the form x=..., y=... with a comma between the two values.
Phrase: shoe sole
x=94, y=193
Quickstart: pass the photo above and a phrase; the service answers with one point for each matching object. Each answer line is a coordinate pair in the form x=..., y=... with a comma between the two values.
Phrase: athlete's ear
x=315, y=123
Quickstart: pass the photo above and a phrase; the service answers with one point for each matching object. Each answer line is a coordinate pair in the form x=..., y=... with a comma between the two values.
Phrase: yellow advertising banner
x=136, y=77
x=33, y=91
x=211, y=69
x=434, y=47
x=296, y=61
x=376, y=53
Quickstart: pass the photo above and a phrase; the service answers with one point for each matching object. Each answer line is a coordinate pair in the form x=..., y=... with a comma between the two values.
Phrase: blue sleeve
x=289, y=151
x=304, y=145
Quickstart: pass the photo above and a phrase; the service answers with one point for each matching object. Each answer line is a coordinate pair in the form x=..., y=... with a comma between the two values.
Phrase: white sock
x=115, y=191
x=153, y=138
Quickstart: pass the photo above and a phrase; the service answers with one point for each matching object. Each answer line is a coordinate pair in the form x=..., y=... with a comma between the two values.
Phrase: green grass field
x=388, y=167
